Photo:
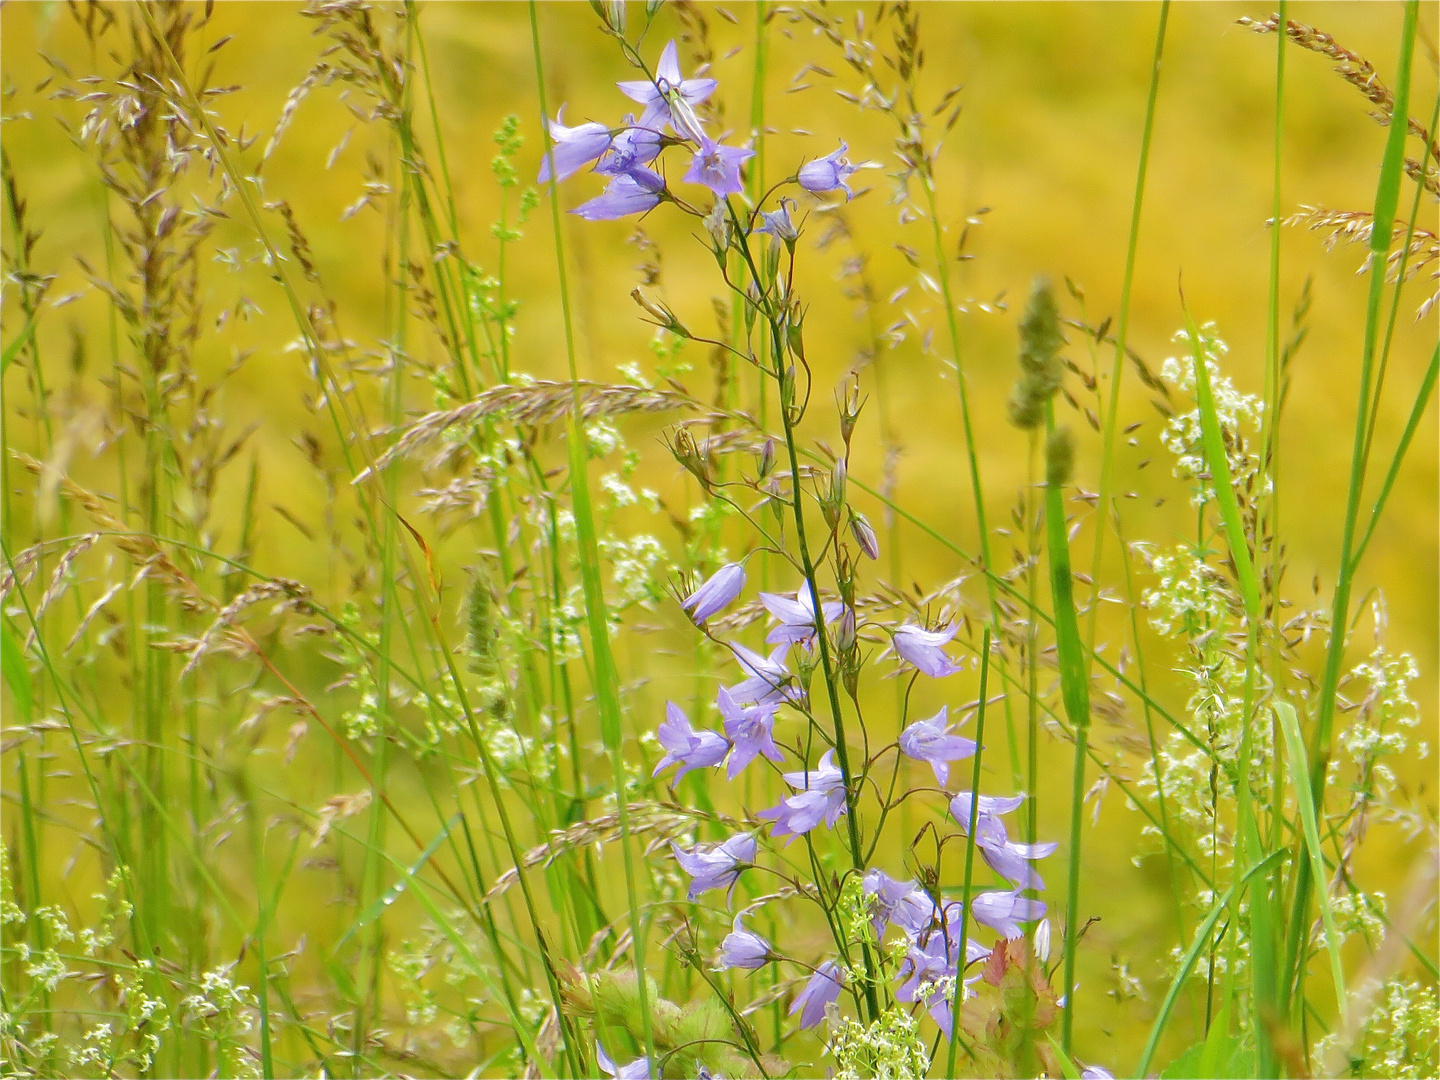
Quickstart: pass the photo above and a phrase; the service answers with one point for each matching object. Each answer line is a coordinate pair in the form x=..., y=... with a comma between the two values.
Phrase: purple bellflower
x=797, y=616
x=930, y=741
x=922, y=648
x=822, y=989
x=632, y=192
x=750, y=731
x=778, y=224
x=670, y=99
x=1095, y=1072
x=718, y=167
x=1003, y=912
x=639, y=1069
x=719, y=867
x=743, y=949
x=900, y=903
x=828, y=173
x=928, y=962
x=822, y=799
x=573, y=147
x=768, y=679
x=630, y=149
x=686, y=747
x=1009, y=860
x=717, y=593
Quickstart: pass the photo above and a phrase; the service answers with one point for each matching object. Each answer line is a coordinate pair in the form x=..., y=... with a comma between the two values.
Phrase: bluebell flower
x=573, y=147
x=718, y=867
x=630, y=149
x=744, y=949
x=922, y=648
x=778, y=224
x=930, y=741
x=750, y=731
x=670, y=99
x=768, y=679
x=1095, y=1072
x=686, y=747
x=827, y=173
x=820, y=992
x=822, y=799
x=718, y=167
x=1009, y=860
x=900, y=903
x=639, y=1069
x=633, y=192
x=933, y=956
x=1003, y=912
x=718, y=592
x=797, y=616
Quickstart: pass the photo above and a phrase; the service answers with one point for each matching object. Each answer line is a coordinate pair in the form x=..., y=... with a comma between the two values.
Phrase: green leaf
x=1309, y=819
x=13, y=349
x=17, y=674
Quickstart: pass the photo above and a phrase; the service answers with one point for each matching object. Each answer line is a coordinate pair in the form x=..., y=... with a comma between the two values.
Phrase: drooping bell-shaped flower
x=744, y=949
x=828, y=173
x=750, y=730
x=822, y=989
x=718, y=167
x=797, y=616
x=632, y=192
x=930, y=741
x=718, y=866
x=718, y=592
x=923, y=648
x=670, y=99
x=686, y=747
x=574, y=147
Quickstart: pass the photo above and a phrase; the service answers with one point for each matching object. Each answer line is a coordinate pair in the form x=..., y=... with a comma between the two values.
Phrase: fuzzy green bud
x=1040, y=366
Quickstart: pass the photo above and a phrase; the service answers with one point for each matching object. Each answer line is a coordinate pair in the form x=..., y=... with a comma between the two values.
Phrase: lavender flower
x=1009, y=860
x=820, y=992
x=797, y=616
x=823, y=799
x=670, y=99
x=632, y=192
x=639, y=1069
x=930, y=741
x=769, y=678
x=922, y=648
x=719, y=867
x=900, y=903
x=1003, y=912
x=1095, y=1072
x=573, y=147
x=685, y=746
x=750, y=731
x=778, y=224
x=828, y=173
x=717, y=593
x=718, y=167
x=744, y=949
x=630, y=149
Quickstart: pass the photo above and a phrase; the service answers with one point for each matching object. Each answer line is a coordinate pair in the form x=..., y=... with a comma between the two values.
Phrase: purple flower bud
x=743, y=949
x=717, y=593
x=685, y=746
x=827, y=173
x=930, y=741
x=573, y=147
x=750, y=731
x=864, y=535
x=921, y=647
x=633, y=192
x=821, y=991
x=639, y=1069
x=719, y=867
x=718, y=167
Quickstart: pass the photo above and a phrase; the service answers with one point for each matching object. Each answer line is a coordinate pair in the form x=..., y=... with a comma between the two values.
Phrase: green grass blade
x=1304, y=800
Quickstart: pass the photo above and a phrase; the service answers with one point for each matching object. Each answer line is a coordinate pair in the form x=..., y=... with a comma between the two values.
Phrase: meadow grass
x=347, y=703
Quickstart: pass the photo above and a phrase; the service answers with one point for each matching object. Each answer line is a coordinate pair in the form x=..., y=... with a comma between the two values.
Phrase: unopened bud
x=1042, y=940
x=837, y=484
x=767, y=458
x=663, y=316
x=845, y=631
x=864, y=535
